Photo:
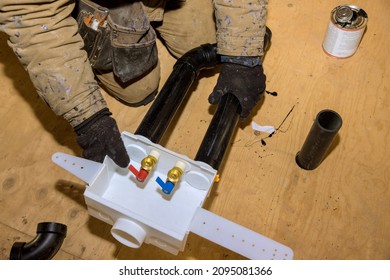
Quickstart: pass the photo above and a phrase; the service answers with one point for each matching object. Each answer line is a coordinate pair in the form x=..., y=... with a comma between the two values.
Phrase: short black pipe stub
x=318, y=141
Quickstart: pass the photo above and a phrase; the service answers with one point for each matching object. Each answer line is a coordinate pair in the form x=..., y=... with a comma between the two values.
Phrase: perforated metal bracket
x=237, y=238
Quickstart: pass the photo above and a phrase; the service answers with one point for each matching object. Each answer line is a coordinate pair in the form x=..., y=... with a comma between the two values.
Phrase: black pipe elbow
x=164, y=107
x=204, y=56
x=44, y=246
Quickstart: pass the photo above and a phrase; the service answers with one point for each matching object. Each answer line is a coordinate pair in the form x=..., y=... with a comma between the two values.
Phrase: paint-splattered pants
x=45, y=38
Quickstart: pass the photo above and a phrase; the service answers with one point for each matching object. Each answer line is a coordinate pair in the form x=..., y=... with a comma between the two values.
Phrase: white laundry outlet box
x=141, y=212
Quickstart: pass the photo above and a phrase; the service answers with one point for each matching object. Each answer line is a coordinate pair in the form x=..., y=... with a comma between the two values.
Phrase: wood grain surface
x=341, y=210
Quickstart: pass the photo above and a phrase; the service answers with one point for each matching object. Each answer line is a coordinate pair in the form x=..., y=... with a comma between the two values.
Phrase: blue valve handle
x=167, y=186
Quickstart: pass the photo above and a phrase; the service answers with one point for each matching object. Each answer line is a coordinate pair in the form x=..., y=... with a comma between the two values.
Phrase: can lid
x=343, y=14
x=349, y=17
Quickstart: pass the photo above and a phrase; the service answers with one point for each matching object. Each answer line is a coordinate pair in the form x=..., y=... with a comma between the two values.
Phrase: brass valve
x=174, y=174
x=148, y=163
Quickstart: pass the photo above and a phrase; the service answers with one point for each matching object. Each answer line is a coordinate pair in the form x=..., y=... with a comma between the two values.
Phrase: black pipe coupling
x=44, y=246
x=321, y=135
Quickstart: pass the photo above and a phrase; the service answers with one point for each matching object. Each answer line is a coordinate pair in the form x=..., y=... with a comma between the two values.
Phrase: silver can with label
x=345, y=30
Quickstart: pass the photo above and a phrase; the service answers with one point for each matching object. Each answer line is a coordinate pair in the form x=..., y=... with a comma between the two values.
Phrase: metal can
x=345, y=30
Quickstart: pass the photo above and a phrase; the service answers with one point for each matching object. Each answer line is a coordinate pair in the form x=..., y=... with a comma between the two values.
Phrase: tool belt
x=117, y=37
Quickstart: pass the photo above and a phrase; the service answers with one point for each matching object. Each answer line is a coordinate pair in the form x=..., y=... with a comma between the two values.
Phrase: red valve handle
x=139, y=175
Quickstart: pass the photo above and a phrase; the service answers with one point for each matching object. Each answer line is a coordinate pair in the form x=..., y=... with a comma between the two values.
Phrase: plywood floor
x=340, y=210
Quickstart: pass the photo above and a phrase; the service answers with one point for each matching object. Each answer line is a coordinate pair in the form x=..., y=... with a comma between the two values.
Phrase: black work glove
x=245, y=82
x=99, y=136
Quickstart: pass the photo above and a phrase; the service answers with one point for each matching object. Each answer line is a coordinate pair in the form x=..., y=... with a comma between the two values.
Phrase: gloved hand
x=245, y=82
x=99, y=136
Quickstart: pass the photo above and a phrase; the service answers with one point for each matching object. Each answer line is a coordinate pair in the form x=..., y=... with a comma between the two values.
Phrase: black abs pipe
x=222, y=126
x=219, y=132
x=318, y=141
x=224, y=122
x=185, y=71
x=44, y=246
